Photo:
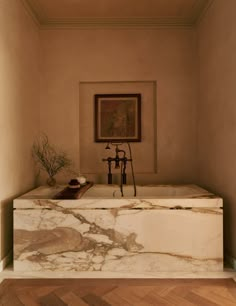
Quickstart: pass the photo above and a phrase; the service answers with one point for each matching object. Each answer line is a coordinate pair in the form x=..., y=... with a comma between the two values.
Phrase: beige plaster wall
x=164, y=56
x=217, y=110
x=19, y=108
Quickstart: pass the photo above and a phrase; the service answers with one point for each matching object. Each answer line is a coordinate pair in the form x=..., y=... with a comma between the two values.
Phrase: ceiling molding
x=116, y=23
x=30, y=11
x=39, y=16
x=203, y=11
x=197, y=8
x=35, y=10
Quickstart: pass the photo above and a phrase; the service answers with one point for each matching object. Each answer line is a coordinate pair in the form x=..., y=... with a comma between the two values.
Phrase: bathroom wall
x=217, y=111
x=195, y=94
x=166, y=57
x=19, y=110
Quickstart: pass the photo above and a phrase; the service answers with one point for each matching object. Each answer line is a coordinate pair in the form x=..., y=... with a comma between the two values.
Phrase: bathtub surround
x=181, y=231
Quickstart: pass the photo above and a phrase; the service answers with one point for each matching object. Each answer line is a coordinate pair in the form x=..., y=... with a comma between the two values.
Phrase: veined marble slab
x=132, y=235
x=108, y=196
x=112, y=191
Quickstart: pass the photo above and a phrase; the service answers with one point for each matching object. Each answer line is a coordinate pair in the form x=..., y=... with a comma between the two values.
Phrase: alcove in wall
x=91, y=152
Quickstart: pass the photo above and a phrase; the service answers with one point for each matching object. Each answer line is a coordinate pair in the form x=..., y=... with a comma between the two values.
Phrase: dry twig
x=48, y=158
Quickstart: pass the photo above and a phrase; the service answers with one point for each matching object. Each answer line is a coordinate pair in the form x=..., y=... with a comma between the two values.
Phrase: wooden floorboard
x=118, y=292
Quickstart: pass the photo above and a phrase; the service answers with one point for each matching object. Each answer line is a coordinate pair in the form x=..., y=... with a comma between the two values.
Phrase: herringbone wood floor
x=118, y=292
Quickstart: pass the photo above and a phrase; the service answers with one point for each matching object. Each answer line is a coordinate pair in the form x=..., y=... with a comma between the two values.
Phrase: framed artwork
x=117, y=117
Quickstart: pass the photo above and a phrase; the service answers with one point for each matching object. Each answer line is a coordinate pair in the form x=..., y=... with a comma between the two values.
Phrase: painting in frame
x=118, y=117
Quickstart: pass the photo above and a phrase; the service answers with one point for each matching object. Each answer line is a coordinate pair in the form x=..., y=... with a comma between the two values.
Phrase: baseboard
x=6, y=260
x=231, y=261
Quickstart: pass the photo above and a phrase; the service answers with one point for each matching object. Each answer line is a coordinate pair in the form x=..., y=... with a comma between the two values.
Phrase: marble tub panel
x=107, y=196
x=113, y=191
x=112, y=240
x=125, y=203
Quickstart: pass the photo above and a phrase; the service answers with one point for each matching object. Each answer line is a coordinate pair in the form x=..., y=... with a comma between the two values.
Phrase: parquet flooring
x=118, y=292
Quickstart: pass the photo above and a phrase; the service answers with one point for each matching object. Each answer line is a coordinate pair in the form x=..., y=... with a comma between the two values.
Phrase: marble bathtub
x=164, y=228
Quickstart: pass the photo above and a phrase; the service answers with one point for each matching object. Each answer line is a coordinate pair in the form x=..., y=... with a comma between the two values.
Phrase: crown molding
x=116, y=23
x=31, y=12
x=45, y=23
x=35, y=11
x=203, y=11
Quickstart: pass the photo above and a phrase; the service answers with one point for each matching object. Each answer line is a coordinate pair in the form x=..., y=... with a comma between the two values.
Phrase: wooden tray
x=73, y=193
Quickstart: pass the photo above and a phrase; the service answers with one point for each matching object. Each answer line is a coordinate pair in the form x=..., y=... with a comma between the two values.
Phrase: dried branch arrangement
x=48, y=158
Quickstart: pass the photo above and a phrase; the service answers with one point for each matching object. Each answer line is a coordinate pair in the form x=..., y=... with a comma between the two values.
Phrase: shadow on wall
x=6, y=230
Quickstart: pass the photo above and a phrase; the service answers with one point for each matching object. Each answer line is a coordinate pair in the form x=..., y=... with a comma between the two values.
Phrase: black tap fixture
x=109, y=175
x=120, y=161
x=124, y=169
x=117, y=159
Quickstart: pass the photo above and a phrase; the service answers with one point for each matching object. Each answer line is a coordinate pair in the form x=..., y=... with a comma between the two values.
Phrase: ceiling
x=116, y=13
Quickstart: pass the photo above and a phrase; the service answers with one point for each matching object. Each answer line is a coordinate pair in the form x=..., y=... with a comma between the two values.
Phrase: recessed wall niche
x=91, y=153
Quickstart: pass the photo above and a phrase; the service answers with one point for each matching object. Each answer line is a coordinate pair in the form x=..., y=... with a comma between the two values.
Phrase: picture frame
x=117, y=117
